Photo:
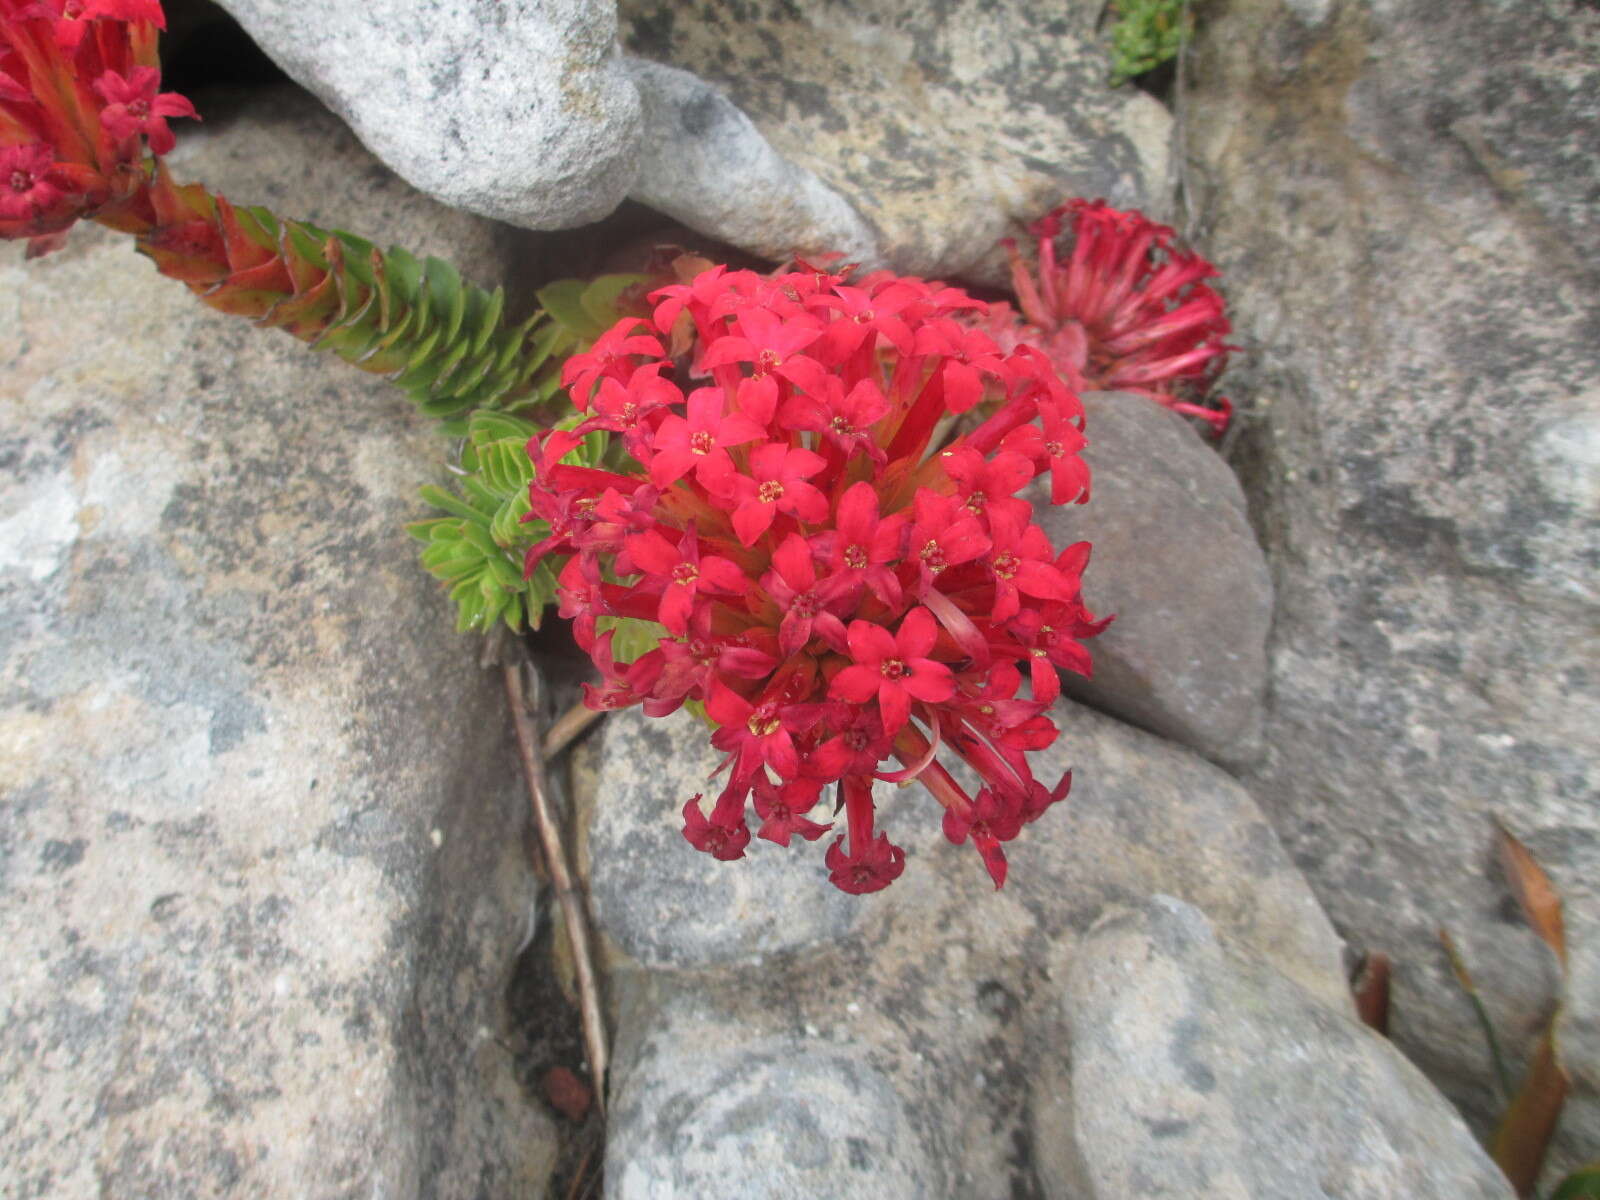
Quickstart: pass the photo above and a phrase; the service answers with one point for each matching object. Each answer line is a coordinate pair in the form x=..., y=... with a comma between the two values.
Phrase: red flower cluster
x=79, y=89
x=834, y=584
x=1125, y=310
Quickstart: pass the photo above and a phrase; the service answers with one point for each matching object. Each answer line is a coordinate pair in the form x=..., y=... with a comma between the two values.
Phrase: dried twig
x=561, y=879
x=582, y=1179
x=1180, y=126
x=569, y=727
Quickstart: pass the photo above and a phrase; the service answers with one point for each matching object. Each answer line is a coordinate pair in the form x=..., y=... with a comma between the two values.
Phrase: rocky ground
x=271, y=922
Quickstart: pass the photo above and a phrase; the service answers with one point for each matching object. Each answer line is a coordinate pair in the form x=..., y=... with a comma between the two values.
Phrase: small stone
x=704, y=163
x=1176, y=561
x=659, y=899
x=1197, y=1069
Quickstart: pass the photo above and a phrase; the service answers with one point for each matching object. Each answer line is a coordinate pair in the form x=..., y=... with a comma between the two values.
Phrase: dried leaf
x=1523, y=1136
x=1540, y=902
x=1371, y=988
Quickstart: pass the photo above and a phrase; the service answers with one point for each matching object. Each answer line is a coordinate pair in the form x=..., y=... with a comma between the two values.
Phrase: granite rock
x=519, y=110
x=259, y=879
x=1199, y=1071
x=1406, y=227
x=945, y=124
x=1144, y=815
x=927, y=1010
x=1177, y=562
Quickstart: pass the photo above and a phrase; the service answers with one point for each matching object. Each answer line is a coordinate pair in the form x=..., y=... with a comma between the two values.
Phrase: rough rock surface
x=944, y=123
x=517, y=109
x=711, y=1104
x=1143, y=816
x=1196, y=1072
x=1177, y=562
x=915, y=1026
x=1406, y=227
x=259, y=888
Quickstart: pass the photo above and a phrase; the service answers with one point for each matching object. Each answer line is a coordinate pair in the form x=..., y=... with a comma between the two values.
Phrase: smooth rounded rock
x=1177, y=563
x=704, y=162
x=945, y=124
x=945, y=987
x=519, y=110
x=660, y=900
x=1196, y=1071
x=704, y=1110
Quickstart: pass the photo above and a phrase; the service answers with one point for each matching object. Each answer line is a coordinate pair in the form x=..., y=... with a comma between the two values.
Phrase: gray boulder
x=260, y=884
x=1195, y=1070
x=1177, y=562
x=516, y=109
x=1143, y=816
x=1405, y=225
x=945, y=125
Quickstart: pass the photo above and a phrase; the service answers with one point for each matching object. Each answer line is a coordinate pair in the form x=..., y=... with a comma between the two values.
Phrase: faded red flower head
x=1120, y=307
x=832, y=584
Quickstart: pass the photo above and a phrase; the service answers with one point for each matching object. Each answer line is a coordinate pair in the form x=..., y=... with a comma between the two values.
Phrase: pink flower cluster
x=80, y=95
x=1126, y=309
x=837, y=584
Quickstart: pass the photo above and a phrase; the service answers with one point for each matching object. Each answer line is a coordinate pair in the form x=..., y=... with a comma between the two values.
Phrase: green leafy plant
x=71, y=152
x=476, y=548
x=1147, y=33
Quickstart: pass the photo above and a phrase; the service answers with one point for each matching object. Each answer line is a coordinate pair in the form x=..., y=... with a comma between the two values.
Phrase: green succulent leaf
x=1147, y=33
x=478, y=547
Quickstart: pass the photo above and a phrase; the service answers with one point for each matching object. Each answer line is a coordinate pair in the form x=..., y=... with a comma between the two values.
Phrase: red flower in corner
x=80, y=98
